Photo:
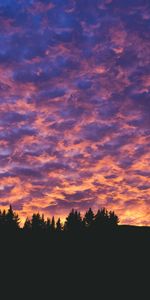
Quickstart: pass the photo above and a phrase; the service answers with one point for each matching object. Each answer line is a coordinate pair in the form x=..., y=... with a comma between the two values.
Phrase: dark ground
x=108, y=263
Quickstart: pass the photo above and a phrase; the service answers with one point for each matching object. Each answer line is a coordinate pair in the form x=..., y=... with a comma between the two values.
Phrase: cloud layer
x=75, y=107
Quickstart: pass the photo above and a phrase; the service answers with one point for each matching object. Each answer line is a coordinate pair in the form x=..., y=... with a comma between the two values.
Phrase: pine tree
x=38, y=223
x=27, y=225
x=2, y=219
x=43, y=223
x=53, y=224
x=113, y=219
x=74, y=222
x=48, y=225
x=58, y=226
x=12, y=220
x=89, y=218
x=101, y=218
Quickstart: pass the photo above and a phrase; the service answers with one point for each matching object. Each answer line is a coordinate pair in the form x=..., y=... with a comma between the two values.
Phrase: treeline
x=74, y=223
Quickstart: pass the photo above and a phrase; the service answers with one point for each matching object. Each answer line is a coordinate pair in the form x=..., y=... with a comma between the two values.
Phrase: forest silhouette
x=100, y=227
x=74, y=224
x=83, y=252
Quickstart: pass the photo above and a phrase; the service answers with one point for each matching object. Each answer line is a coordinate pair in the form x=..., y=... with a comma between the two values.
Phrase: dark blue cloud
x=112, y=176
x=79, y=195
x=95, y=132
x=63, y=126
x=26, y=171
x=84, y=84
x=53, y=166
x=145, y=173
x=13, y=135
x=13, y=117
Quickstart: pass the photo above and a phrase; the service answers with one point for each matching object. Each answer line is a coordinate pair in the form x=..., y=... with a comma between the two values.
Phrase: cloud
x=13, y=117
x=143, y=173
x=78, y=195
x=94, y=132
x=27, y=172
x=74, y=107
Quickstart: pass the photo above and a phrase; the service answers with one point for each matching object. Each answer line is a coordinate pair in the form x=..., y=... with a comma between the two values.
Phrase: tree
x=12, y=220
x=113, y=219
x=89, y=218
x=38, y=223
x=48, y=225
x=105, y=219
x=73, y=222
x=101, y=218
x=58, y=226
x=43, y=223
x=2, y=219
x=27, y=225
x=53, y=224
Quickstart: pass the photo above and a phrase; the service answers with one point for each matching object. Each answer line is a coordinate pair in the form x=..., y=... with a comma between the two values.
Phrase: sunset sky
x=75, y=107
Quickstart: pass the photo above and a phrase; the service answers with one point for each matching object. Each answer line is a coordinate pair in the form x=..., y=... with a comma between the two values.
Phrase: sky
x=75, y=107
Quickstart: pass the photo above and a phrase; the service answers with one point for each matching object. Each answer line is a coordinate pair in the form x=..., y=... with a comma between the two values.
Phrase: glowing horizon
x=75, y=107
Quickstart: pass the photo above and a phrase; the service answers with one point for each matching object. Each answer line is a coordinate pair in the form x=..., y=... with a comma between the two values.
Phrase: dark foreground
x=108, y=261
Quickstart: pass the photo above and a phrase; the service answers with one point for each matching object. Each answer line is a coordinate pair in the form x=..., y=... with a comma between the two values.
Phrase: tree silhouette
x=2, y=219
x=113, y=219
x=12, y=220
x=105, y=219
x=89, y=218
x=74, y=222
x=53, y=225
x=58, y=226
x=27, y=225
x=38, y=223
x=9, y=221
x=48, y=225
x=101, y=218
x=43, y=224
